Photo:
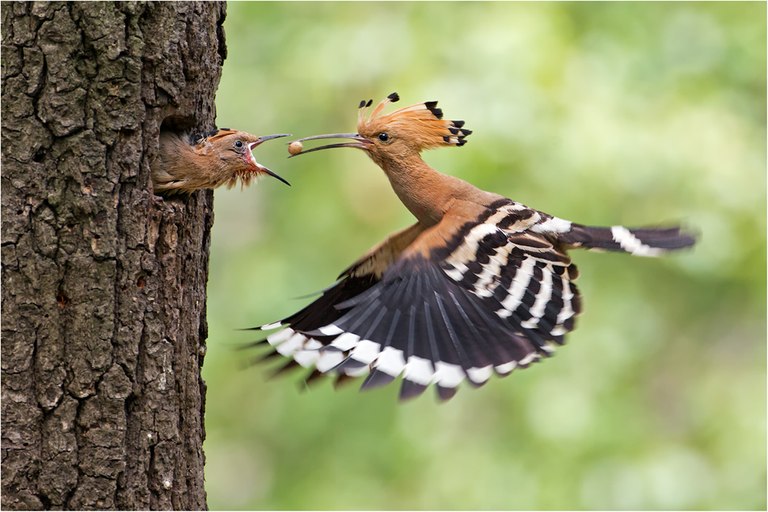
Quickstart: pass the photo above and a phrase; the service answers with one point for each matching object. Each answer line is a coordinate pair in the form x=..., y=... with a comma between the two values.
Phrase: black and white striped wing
x=485, y=291
x=514, y=264
x=491, y=297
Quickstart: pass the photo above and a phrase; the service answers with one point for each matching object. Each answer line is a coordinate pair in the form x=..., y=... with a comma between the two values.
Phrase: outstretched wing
x=480, y=292
x=363, y=274
x=487, y=290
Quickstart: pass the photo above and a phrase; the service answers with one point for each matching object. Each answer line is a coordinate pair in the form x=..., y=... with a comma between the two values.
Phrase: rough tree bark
x=103, y=296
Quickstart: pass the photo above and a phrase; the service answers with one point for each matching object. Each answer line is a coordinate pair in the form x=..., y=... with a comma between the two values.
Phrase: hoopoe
x=187, y=163
x=480, y=284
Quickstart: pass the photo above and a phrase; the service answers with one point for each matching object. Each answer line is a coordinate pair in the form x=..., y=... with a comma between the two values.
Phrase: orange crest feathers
x=422, y=124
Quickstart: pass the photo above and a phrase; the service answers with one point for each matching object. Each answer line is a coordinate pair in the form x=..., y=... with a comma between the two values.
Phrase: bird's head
x=399, y=134
x=231, y=155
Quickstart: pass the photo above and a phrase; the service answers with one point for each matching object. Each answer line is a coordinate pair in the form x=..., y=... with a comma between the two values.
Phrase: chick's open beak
x=265, y=138
x=359, y=142
x=261, y=168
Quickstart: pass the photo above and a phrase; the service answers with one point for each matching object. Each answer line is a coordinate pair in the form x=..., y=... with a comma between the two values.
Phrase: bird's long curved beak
x=273, y=174
x=261, y=168
x=360, y=142
x=265, y=138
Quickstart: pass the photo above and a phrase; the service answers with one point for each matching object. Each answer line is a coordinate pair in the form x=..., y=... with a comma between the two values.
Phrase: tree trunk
x=103, y=296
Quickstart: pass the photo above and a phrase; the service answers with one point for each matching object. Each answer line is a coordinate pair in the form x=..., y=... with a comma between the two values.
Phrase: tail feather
x=636, y=241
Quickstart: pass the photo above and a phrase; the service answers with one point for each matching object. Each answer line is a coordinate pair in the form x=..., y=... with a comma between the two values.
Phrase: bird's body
x=479, y=285
x=186, y=163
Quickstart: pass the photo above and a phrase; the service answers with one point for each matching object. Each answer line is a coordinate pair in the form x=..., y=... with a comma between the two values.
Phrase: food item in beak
x=295, y=147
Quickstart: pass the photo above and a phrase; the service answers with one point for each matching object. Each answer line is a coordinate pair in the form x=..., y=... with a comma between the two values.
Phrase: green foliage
x=634, y=113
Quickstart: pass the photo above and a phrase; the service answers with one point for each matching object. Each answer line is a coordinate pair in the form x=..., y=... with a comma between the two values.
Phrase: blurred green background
x=634, y=113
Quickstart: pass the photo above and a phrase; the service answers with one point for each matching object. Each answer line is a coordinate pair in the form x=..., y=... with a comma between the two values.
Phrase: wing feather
x=460, y=300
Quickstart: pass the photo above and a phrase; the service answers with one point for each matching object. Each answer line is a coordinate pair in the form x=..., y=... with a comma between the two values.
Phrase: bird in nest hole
x=186, y=163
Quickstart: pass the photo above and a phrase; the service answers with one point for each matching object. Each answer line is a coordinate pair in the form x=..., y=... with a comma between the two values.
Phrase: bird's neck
x=426, y=192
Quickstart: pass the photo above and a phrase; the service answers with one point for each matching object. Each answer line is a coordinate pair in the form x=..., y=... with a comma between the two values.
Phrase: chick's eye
x=238, y=144
x=383, y=137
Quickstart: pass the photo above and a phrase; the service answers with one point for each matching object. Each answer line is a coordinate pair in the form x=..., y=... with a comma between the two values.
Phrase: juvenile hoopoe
x=187, y=163
x=480, y=284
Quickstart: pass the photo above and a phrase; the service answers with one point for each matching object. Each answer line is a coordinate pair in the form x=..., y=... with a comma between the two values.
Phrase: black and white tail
x=645, y=241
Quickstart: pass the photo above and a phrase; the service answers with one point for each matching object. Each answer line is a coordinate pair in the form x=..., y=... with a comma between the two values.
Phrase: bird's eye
x=383, y=137
x=238, y=144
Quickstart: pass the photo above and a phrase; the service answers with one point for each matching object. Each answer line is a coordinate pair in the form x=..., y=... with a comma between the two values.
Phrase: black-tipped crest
x=421, y=124
x=432, y=107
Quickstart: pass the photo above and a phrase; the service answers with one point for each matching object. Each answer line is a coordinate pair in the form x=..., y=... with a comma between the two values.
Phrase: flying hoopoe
x=480, y=284
x=187, y=163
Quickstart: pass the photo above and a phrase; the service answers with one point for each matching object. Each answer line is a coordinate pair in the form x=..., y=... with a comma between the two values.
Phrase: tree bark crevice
x=103, y=296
